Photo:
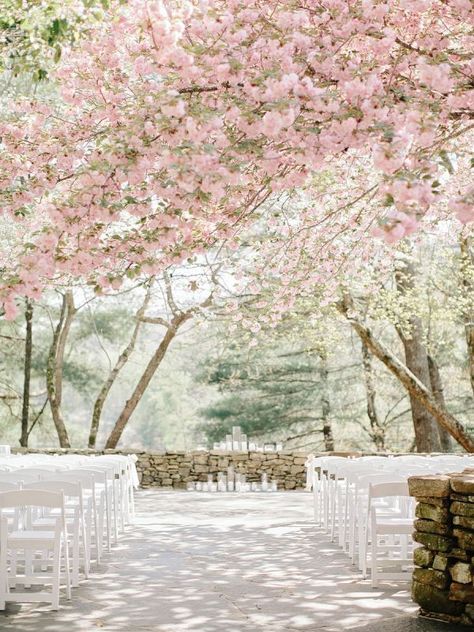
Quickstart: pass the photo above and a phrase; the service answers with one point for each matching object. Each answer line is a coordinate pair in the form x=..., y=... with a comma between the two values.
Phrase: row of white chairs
x=57, y=516
x=364, y=505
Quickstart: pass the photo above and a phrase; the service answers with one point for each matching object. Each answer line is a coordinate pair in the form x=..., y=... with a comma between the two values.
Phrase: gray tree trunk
x=438, y=392
x=54, y=370
x=377, y=431
x=145, y=379
x=109, y=382
x=416, y=360
x=326, y=407
x=467, y=268
x=25, y=409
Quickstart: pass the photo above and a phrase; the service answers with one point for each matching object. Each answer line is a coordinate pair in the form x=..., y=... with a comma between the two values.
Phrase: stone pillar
x=444, y=563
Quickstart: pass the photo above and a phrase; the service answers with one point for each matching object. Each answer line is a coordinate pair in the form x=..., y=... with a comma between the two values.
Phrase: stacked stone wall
x=443, y=579
x=176, y=469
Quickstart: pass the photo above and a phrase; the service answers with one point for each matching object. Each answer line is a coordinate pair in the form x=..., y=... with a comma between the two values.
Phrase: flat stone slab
x=220, y=562
x=429, y=485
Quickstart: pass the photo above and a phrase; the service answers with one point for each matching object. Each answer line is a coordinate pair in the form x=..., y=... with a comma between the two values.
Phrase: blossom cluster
x=176, y=121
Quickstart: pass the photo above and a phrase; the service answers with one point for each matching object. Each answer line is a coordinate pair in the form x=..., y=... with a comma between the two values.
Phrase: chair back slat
x=33, y=498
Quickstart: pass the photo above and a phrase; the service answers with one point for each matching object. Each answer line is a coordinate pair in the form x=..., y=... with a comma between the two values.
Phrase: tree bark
x=25, y=410
x=416, y=360
x=155, y=361
x=411, y=383
x=377, y=431
x=109, y=382
x=54, y=371
x=438, y=392
x=467, y=270
x=328, y=436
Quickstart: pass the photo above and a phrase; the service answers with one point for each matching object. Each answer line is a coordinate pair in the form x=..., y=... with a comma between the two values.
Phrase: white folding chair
x=329, y=466
x=398, y=523
x=94, y=506
x=75, y=522
x=124, y=478
x=21, y=538
x=108, y=484
x=360, y=524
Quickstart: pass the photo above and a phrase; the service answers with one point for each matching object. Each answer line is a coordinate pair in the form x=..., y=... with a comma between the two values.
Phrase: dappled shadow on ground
x=220, y=563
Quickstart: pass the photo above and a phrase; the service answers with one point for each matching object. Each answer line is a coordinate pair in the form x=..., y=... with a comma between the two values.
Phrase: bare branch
x=154, y=320
x=169, y=294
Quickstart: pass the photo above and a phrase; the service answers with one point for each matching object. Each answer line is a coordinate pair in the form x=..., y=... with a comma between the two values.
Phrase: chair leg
x=362, y=539
x=132, y=502
x=75, y=557
x=346, y=522
x=85, y=546
x=45, y=554
x=373, y=548
x=66, y=565
x=352, y=536
x=28, y=566
x=121, y=506
x=333, y=514
x=97, y=534
x=56, y=576
x=14, y=564
x=316, y=503
x=113, y=502
x=103, y=511
x=107, y=519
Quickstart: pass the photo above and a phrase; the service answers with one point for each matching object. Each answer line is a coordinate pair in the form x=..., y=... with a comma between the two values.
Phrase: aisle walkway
x=220, y=563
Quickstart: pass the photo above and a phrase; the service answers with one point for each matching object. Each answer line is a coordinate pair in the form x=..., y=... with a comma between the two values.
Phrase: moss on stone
x=434, y=542
x=432, y=599
x=440, y=562
x=435, y=578
x=423, y=557
x=431, y=512
x=461, y=573
x=429, y=526
x=465, y=539
x=462, y=509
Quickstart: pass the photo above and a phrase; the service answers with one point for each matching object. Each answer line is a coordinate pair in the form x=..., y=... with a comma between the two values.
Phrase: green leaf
x=446, y=161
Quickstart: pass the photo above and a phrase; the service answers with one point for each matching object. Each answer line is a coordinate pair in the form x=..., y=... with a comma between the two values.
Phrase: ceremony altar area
x=165, y=560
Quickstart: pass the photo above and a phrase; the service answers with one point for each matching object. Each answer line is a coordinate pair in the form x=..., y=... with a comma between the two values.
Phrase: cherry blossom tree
x=175, y=121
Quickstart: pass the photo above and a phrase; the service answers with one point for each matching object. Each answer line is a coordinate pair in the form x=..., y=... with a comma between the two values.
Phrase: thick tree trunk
x=426, y=429
x=411, y=383
x=145, y=379
x=25, y=410
x=416, y=360
x=438, y=392
x=109, y=382
x=377, y=431
x=467, y=271
x=326, y=407
x=54, y=371
x=469, y=329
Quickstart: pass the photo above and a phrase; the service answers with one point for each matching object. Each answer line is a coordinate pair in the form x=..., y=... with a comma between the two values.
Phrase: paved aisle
x=219, y=563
